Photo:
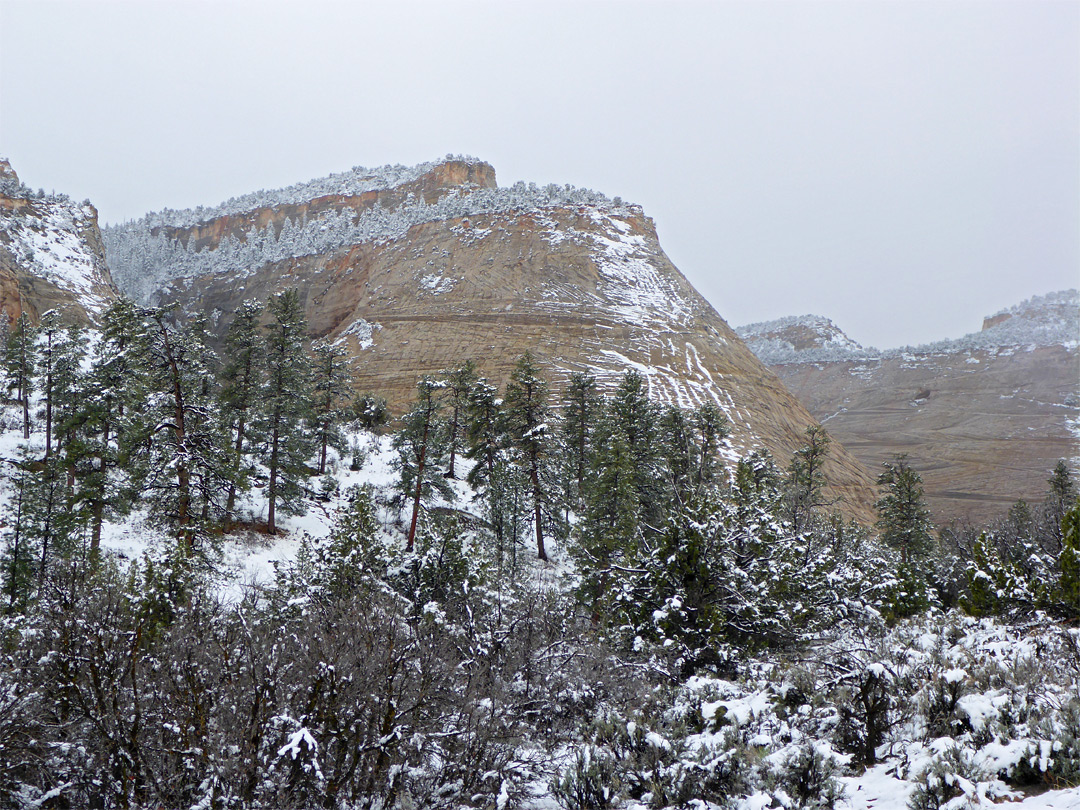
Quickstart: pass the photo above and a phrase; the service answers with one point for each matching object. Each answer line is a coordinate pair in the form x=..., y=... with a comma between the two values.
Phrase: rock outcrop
x=984, y=418
x=440, y=266
x=51, y=254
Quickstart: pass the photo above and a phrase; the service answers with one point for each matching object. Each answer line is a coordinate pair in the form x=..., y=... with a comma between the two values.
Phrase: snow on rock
x=145, y=257
x=54, y=238
x=1048, y=320
x=363, y=331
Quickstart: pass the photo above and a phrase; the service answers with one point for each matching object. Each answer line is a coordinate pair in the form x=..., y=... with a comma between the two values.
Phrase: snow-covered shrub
x=865, y=701
x=661, y=762
x=951, y=780
x=938, y=703
x=1053, y=760
x=807, y=779
x=590, y=783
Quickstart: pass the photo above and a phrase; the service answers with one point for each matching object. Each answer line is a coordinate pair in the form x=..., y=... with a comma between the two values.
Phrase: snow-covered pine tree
x=459, y=386
x=241, y=387
x=494, y=476
x=114, y=392
x=1069, y=561
x=903, y=519
x=1060, y=497
x=331, y=388
x=20, y=365
x=631, y=413
x=286, y=408
x=172, y=437
x=69, y=384
x=421, y=446
x=49, y=331
x=805, y=482
x=527, y=422
x=581, y=405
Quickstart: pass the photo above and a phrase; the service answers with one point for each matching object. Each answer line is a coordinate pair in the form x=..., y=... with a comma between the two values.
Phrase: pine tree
x=459, y=387
x=177, y=451
x=242, y=384
x=712, y=428
x=370, y=412
x=70, y=392
x=285, y=408
x=527, y=423
x=581, y=404
x=115, y=388
x=631, y=413
x=20, y=364
x=1069, y=561
x=806, y=479
x=49, y=331
x=17, y=560
x=485, y=433
x=494, y=476
x=985, y=579
x=332, y=385
x=421, y=446
x=903, y=519
x=1061, y=494
x=611, y=530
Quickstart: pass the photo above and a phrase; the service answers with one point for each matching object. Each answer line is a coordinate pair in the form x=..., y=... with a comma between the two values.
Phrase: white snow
x=50, y=238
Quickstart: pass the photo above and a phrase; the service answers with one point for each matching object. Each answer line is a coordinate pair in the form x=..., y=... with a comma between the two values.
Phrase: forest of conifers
x=569, y=593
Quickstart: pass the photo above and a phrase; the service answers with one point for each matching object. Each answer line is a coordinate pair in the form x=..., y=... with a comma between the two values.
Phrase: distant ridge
x=984, y=417
x=1043, y=320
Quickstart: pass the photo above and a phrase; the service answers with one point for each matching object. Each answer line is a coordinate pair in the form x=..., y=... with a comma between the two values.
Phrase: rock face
x=442, y=267
x=984, y=418
x=51, y=254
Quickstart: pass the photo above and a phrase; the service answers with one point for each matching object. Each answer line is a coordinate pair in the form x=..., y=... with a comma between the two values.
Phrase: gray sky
x=903, y=168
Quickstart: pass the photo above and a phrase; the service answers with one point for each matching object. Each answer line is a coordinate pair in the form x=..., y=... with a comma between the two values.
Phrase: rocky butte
x=983, y=418
x=51, y=254
x=415, y=269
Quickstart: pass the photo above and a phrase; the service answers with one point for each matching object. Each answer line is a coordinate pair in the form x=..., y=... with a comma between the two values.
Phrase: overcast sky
x=903, y=168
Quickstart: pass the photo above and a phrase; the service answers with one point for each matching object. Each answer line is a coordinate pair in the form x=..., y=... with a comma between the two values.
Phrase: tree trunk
x=420, y=457
x=271, y=486
x=534, y=474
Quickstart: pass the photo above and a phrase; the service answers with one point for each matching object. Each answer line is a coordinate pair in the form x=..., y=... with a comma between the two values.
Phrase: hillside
x=984, y=418
x=417, y=269
x=51, y=254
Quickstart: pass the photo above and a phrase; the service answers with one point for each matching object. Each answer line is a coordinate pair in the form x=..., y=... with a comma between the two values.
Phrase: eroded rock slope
x=51, y=254
x=418, y=269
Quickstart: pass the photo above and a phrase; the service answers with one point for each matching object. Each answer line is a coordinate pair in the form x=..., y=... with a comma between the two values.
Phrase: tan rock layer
x=984, y=428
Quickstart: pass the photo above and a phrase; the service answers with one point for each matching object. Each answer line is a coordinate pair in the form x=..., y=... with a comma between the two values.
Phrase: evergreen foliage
x=421, y=445
x=20, y=363
x=460, y=382
x=806, y=478
x=526, y=413
x=241, y=386
x=903, y=519
x=385, y=668
x=331, y=388
x=285, y=407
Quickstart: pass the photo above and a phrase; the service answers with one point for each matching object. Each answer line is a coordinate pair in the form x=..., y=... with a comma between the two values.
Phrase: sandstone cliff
x=51, y=254
x=442, y=267
x=984, y=418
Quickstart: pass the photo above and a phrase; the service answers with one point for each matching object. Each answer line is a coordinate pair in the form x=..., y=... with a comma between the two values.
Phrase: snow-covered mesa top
x=1047, y=320
x=143, y=262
